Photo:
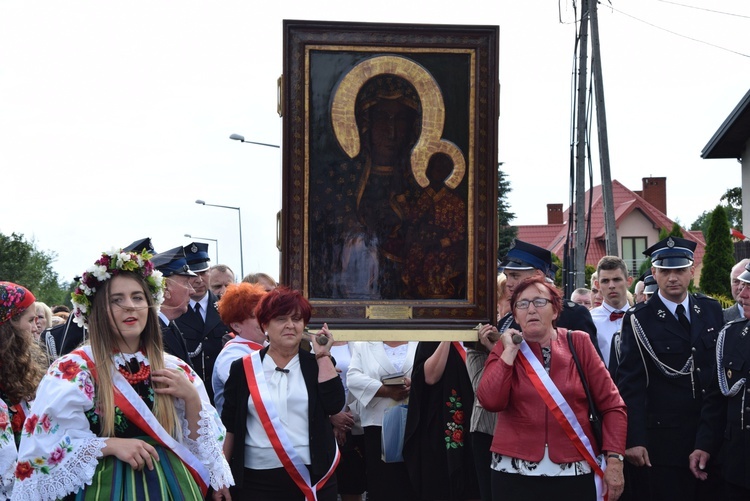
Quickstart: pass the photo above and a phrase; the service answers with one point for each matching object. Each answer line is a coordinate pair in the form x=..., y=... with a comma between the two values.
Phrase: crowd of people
x=169, y=380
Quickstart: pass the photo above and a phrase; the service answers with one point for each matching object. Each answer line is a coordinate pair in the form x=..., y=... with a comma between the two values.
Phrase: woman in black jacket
x=283, y=395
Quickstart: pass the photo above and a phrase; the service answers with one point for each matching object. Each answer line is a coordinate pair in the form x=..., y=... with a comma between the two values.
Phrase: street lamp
x=239, y=215
x=205, y=238
x=238, y=137
x=241, y=138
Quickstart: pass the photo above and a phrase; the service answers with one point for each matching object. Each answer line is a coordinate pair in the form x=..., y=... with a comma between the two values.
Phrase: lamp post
x=187, y=235
x=239, y=216
x=241, y=138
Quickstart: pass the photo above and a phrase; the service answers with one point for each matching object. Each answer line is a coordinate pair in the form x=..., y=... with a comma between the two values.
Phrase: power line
x=679, y=34
x=707, y=10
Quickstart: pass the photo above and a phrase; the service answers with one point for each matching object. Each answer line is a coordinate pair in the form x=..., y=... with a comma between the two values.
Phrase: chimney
x=655, y=192
x=554, y=213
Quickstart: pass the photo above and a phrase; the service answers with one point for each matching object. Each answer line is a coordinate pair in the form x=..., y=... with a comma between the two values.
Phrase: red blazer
x=524, y=424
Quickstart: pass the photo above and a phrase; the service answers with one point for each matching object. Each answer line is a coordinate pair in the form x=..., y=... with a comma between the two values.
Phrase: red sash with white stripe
x=282, y=445
x=138, y=413
x=460, y=349
x=561, y=410
x=238, y=340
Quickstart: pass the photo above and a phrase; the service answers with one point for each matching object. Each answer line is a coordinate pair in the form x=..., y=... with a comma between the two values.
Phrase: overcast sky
x=115, y=117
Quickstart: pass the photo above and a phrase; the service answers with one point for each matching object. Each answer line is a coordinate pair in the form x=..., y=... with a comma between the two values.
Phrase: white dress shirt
x=606, y=328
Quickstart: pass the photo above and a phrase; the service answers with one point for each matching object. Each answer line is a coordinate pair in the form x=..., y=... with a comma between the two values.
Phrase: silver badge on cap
x=512, y=244
x=670, y=242
x=194, y=249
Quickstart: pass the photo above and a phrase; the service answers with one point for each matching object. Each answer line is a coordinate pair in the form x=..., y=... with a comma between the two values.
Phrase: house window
x=632, y=253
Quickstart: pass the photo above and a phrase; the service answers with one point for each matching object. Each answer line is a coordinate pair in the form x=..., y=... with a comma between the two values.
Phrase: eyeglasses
x=538, y=302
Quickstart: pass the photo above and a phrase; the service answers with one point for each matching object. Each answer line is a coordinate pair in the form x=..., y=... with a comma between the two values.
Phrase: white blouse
x=235, y=349
x=289, y=396
x=64, y=396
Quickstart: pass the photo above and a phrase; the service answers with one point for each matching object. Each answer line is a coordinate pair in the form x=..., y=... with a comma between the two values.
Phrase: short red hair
x=282, y=301
x=554, y=294
x=239, y=302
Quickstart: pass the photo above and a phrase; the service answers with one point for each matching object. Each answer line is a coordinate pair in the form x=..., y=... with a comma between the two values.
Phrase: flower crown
x=110, y=264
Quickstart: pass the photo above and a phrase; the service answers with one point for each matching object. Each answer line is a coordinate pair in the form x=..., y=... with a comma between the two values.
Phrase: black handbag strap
x=592, y=407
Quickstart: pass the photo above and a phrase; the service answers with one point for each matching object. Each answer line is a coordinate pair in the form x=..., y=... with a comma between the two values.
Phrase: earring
x=266, y=333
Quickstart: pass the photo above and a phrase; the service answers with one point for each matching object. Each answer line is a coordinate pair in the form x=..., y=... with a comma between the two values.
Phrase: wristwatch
x=614, y=455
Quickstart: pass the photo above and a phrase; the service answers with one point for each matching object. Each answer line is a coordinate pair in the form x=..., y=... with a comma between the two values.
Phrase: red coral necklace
x=133, y=378
x=143, y=373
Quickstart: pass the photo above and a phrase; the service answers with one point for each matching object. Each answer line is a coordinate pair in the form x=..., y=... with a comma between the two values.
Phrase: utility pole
x=610, y=234
x=579, y=253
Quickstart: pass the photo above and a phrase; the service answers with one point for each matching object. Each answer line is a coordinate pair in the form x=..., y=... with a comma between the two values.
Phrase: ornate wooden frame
x=454, y=71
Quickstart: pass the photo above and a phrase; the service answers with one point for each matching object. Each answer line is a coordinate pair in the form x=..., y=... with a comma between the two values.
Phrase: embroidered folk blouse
x=59, y=451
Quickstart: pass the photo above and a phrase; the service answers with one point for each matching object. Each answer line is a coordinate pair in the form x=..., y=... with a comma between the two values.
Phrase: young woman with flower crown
x=119, y=418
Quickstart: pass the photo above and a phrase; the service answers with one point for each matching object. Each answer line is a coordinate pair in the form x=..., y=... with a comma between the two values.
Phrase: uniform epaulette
x=699, y=295
x=737, y=320
x=638, y=306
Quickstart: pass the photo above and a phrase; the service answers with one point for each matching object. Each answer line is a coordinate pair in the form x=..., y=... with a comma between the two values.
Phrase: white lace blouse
x=59, y=453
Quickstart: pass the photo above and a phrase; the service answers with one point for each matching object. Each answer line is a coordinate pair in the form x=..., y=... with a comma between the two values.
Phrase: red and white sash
x=252, y=345
x=282, y=445
x=561, y=410
x=138, y=413
x=460, y=349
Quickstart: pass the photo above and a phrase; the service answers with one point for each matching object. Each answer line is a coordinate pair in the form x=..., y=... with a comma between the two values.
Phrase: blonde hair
x=501, y=279
x=47, y=313
x=104, y=342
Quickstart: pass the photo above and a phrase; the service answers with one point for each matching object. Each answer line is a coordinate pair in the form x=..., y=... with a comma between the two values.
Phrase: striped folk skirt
x=118, y=481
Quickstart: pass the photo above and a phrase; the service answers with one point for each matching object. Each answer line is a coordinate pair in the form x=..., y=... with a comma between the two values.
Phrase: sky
x=115, y=117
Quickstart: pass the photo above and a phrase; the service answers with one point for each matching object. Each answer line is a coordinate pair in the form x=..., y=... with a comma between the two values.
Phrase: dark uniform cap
x=671, y=253
x=526, y=256
x=745, y=276
x=172, y=262
x=650, y=284
x=140, y=245
x=197, y=256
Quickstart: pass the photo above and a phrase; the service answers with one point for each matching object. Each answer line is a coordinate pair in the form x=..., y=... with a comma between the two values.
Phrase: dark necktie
x=616, y=315
x=285, y=371
x=198, y=311
x=684, y=322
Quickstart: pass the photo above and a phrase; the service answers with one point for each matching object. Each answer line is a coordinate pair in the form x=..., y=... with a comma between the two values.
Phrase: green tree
x=588, y=271
x=22, y=263
x=505, y=232
x=676, y=231
x=644, y=267
x=733, y=199
x=733, y=208
x=701, y=223
x=719, y=257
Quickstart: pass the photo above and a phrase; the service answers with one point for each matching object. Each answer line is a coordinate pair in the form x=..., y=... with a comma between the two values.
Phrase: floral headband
x=14, y=299
x=110, y=264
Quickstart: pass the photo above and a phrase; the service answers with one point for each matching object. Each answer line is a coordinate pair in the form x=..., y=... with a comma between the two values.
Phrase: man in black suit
x=201, y=325
x=735, y=312
x=177, y=290
x=667, y=362
x=725, y=412
x=526, y=260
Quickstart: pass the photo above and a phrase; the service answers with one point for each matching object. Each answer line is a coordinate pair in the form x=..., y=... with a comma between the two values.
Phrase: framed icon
x=390, y=173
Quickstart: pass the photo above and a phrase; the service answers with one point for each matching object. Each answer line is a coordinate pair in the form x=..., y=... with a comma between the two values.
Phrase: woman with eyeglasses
x=544, y=446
